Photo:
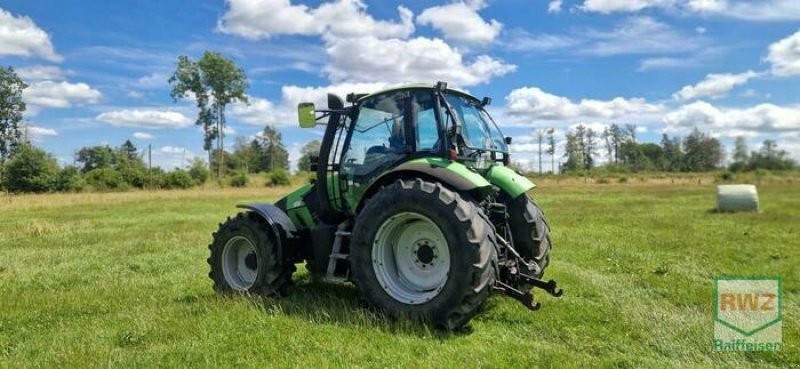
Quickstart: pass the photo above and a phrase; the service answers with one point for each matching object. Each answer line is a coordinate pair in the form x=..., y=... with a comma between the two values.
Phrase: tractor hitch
x=526, y=298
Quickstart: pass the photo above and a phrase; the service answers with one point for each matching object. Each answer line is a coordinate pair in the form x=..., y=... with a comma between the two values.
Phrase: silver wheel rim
x=239, y=263
x=411, y=258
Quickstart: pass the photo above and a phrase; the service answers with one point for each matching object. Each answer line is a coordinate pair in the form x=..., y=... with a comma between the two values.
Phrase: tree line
x=697, y=152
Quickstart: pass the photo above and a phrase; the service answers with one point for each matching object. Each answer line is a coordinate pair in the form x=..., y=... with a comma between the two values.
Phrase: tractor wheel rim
x=411, y=258
x=239, y=263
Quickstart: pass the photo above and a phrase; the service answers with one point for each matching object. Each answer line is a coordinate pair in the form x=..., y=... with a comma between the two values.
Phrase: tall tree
x=213, y=81
x=616, y=140
x=741, y=155
x=96, y=157
x=589, y=148
x=551, y=149
x=309, y=151
x=702, y=152
x=12, y=106
x=540, y=140
x=275, y=152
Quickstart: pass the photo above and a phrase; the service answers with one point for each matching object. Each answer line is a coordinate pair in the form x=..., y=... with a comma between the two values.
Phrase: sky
x=97, y=70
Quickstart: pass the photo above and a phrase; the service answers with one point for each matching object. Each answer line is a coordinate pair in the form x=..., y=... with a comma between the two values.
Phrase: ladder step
x=343, y=233
x=339, y=256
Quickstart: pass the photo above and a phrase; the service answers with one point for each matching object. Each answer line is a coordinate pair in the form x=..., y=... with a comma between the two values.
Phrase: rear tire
x=433, y=228
x=245, y=258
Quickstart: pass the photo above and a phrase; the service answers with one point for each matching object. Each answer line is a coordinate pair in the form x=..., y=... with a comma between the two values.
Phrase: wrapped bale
x=737, y=198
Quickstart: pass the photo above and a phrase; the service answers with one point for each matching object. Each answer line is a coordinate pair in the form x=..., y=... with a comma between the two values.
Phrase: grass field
x=120, y=279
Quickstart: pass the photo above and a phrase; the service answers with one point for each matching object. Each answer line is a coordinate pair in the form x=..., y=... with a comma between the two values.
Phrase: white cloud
x=714, y=85
x=142, y=136
x=50, y=94
x=762, y=118
x=135, y=94
x=418, y=59
x=554, y=6
x=257, y=19
x=20, y=36
x=40, y=72
x=784, y=56
x=152, y=80
x=461, y=22
x=145, y=118
x=173, y=150
x=38, y=133
x=634, y=35
x=751, y=10
x=613, y=6
x=532, y=103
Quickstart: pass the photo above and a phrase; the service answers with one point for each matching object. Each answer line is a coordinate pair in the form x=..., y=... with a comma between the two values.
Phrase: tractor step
x=338, y=263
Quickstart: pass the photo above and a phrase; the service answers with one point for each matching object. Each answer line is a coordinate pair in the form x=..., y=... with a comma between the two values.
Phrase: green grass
x=120, y=279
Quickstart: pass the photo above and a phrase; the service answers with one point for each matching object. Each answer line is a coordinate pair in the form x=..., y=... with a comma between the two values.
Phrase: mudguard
x=509, y=181
x=281, y=226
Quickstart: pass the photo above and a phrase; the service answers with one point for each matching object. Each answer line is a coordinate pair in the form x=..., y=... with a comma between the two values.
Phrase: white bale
x=742, y=197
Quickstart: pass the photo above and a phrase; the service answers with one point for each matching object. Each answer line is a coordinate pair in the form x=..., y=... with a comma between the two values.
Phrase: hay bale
x=740, y=197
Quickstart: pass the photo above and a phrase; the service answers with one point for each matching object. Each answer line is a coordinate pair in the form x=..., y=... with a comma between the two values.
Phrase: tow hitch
x=526, y=298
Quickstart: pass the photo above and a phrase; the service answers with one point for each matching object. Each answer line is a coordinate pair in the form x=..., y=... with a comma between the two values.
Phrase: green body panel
x=355, y=191
x=508, y=180
x=296, y=208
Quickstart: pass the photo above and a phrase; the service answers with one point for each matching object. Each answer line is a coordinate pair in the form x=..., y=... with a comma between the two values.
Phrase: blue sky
x=98, y=69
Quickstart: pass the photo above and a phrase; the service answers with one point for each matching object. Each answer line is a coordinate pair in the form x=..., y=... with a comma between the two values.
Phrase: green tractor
x=413, y=202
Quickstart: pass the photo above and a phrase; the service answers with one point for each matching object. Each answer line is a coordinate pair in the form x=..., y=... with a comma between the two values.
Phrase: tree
x=551, y=149
x=96, y=157
x=30, y=170
x=702, y=152
x=770, y=157
x=274, y=151
x=740, y=155
x=573, y=151
x=128, y=151
x=12, y=106
x=589, y=148
x=616, y=140
x=672, y=153
x=540, y=140
x=309, y=150
x=214, y=81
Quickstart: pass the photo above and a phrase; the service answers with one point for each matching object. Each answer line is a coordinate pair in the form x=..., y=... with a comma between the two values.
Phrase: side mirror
x=486, y=101
x=307, y=115
x=508, y=140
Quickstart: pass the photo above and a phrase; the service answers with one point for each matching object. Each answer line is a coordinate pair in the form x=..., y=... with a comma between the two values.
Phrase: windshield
x=479, y=130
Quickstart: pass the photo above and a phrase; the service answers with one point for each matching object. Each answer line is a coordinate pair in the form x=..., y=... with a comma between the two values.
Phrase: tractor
x=413, y=202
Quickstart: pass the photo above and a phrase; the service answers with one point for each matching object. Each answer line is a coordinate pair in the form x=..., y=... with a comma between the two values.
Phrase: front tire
x=530, y=232
x=245, y=258
x=421, y=251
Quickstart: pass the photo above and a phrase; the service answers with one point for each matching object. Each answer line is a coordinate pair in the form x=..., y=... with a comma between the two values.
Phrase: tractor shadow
x=338, y=304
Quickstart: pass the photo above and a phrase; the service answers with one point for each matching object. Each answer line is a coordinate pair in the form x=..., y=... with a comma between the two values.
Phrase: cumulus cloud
x=20, y=36
x=38, y=133
x=142, y=136
x=532, y=103
x=613, y=6
x=714, y=86
x=40, y=73
x=50, y=94
x=145, y=118
x=257, y=19
x=762, y=118
x=460, y=21
x=784, y=56
x=398, y=61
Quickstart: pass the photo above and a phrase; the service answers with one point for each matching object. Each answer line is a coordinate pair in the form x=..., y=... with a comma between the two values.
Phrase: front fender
x=280, y=225
x=509, y=181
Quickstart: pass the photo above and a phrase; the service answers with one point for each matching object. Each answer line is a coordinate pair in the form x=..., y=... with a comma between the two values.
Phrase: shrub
x=178, y=178
x=133, y=176
x=238, y=179
x=198, y=171
x=70, y=180
x=30, y=170
x=725, y=176
x=622, y=179
x=278, y=177
x=105, y=179
x=602, y=180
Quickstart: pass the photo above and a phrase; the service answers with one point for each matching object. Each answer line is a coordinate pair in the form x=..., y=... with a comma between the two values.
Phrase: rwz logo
x=748, y=313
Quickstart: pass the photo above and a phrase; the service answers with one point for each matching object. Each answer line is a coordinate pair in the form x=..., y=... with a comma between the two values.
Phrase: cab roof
x=413, y=86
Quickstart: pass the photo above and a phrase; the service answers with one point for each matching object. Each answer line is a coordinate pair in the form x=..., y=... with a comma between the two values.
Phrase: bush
x=178, y=178
x=105, y=179
x=602, y=180
x=622, y=179
x=70, y=180
x=198, y=171
x=133, y=176
x=725, y=176
x=278, y=177
x=238, y=179
x=30, y=170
